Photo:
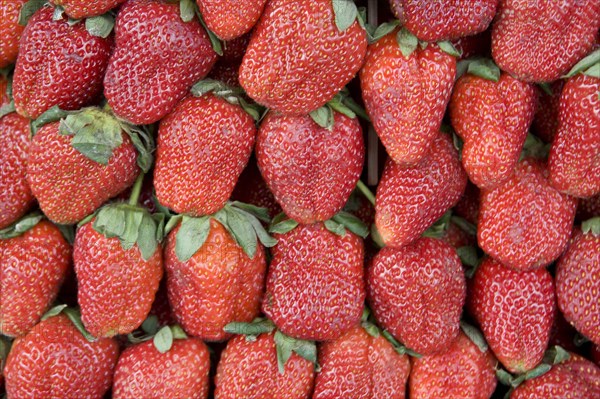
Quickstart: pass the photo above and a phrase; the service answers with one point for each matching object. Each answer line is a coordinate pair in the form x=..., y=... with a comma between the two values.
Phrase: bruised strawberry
x=10, y=31
x=78, y=9
x=252, y=189
x=228, y=19
x=545, y=122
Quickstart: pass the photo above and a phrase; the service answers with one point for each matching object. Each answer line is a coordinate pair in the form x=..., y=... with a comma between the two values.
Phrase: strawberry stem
x=362, y=187
x=136, y=190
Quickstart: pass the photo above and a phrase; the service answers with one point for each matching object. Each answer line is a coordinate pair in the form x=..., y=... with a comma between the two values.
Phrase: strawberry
x=78, y=9
x=311, y=170
x=301, y=54
x=458, y=235
x=227, y=19
x=476, y=45
x=577, y=273
x=463, y=371
x=539, y=41
x=234, y=50
x=515, y=312
x=4, y=94
x=225, y=72
x=405, y=93
x=252, y=189
x=596, y=355
x=58, y=64
x=34, y=259
x=55, y=360
x=15, y=196
x=161, y=307
x=417, y=293
x=545, y=122
x=491, y=114
x=588, y=208
x=5, y=345
x=444, y=20
x=157, y=59
x=468, y=205
x=10, y=31
x=409, y=200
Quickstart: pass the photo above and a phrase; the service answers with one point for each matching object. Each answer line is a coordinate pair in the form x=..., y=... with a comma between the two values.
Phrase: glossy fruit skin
x=406, y=98
x=32, y=269
x=252, y=189
x=463, y=371
x=525, y=223
x=15, y=196
x=515, y=311
x=203, y=146
x=539, y=41
x=157, y=59
x=78, y=9
x=310, y=170
x=545, y=122
x=574, y=160
x=218, y=285
x=116, y=287
x=409, y=200
x=577, y=274
x=492, y=118
x=227, y=19
x=181, y=372
x=54, y=360
x=315, y=285
x=417, y=293
x=360, y=366
x=297, y=59
x=248, y=369
x=433, y=21
x=68, y=185
x=10, y=31
x=58, y=64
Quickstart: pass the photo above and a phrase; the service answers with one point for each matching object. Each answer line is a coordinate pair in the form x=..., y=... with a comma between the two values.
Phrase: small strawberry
x=157, y=59
x=417, y=293
x=539, y=41
x=10, y=31
x=525, y=223
x=302, y=53
x=34, y=259
x=545, y=122
x=252, y=189
x=515, y=312
x=409, y=200
x=78, y=9
x=227, y=19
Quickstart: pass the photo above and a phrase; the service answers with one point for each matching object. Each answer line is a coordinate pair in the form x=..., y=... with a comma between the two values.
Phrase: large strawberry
x=157, y=59
x=311, y=170
x=525, y=223
x=301, y=54
x=58, y=64
x=515, y=311
x=10, y=31
x=409, y=200
x=406, y=90
x=78, y=9
x=540, y=40
x=227, y=19
x=417, y=293
x=34, y=260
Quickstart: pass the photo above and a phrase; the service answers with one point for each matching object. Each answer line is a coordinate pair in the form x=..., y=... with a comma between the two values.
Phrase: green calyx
x=408, y=43
x=184, y=11
x=5, y=345
x=589, y=66
x=338, y=224
x=251, y=330
x=374, y=33
x=74, y=315
x=162, y=337
x=398, y=347
x=475, y=336
x=101, y=25
x=439, y=228
x=478, y=66
x=591, y=226
x=29, y=9
x=534, y=147
x=341, y=103
x=232, y=95
x=21, y=226
x=345, y=13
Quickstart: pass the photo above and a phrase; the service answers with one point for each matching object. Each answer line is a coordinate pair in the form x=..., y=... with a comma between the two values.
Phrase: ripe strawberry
x=4, y=350
x=34, y=258
x=588, y=208
x=476, y=45
x=539, y=41
x=492, y=116
x=432, y=20
x=252, y=189
x=225, y=72
x=78, y=9
x=406, y=96
x=234, y=50
x=562, y=333
x=10, y=31
x=156, y=60
x=596, y=355
x=457, y=236
x=409, y=200
x=525, y=223
x=227, y=19
x=463, y=371
x=311, y=170
x=515, y=312
x=315, y=286
x=296, y=70
x=574, y=160
x=4, y=97
x=417, y=293
x=55, y=360
x=58, y=64
x=545, y=122
x=161, y=307
x=468, y=205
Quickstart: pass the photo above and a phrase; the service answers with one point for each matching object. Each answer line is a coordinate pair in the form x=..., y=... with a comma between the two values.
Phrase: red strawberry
x=562, y=333
x=409, y=200
x=58, y=64
x=417, y=293
x=55, y=360
x=492, y=116
x=4, y=97
x=298, y=59
x=457, y=236
x=442, y=20
x=574, y=160
x=156, y=60
x=227, y=19
x=34, y=259
x=545, y=122
x=161, y=307
x=406, y=96
x=588, y=208
x=252, y=189
x=468, y=206
x=596, y=355
x=234, y=50
x=78, y=9
x=311, y=170
x=4, y=350
x=226, y=73
x=525, y=223
x=464, y=371
x=15, y=196
x=539, y=41
x=10, y=31
x=515, y=312
x=476, y=45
